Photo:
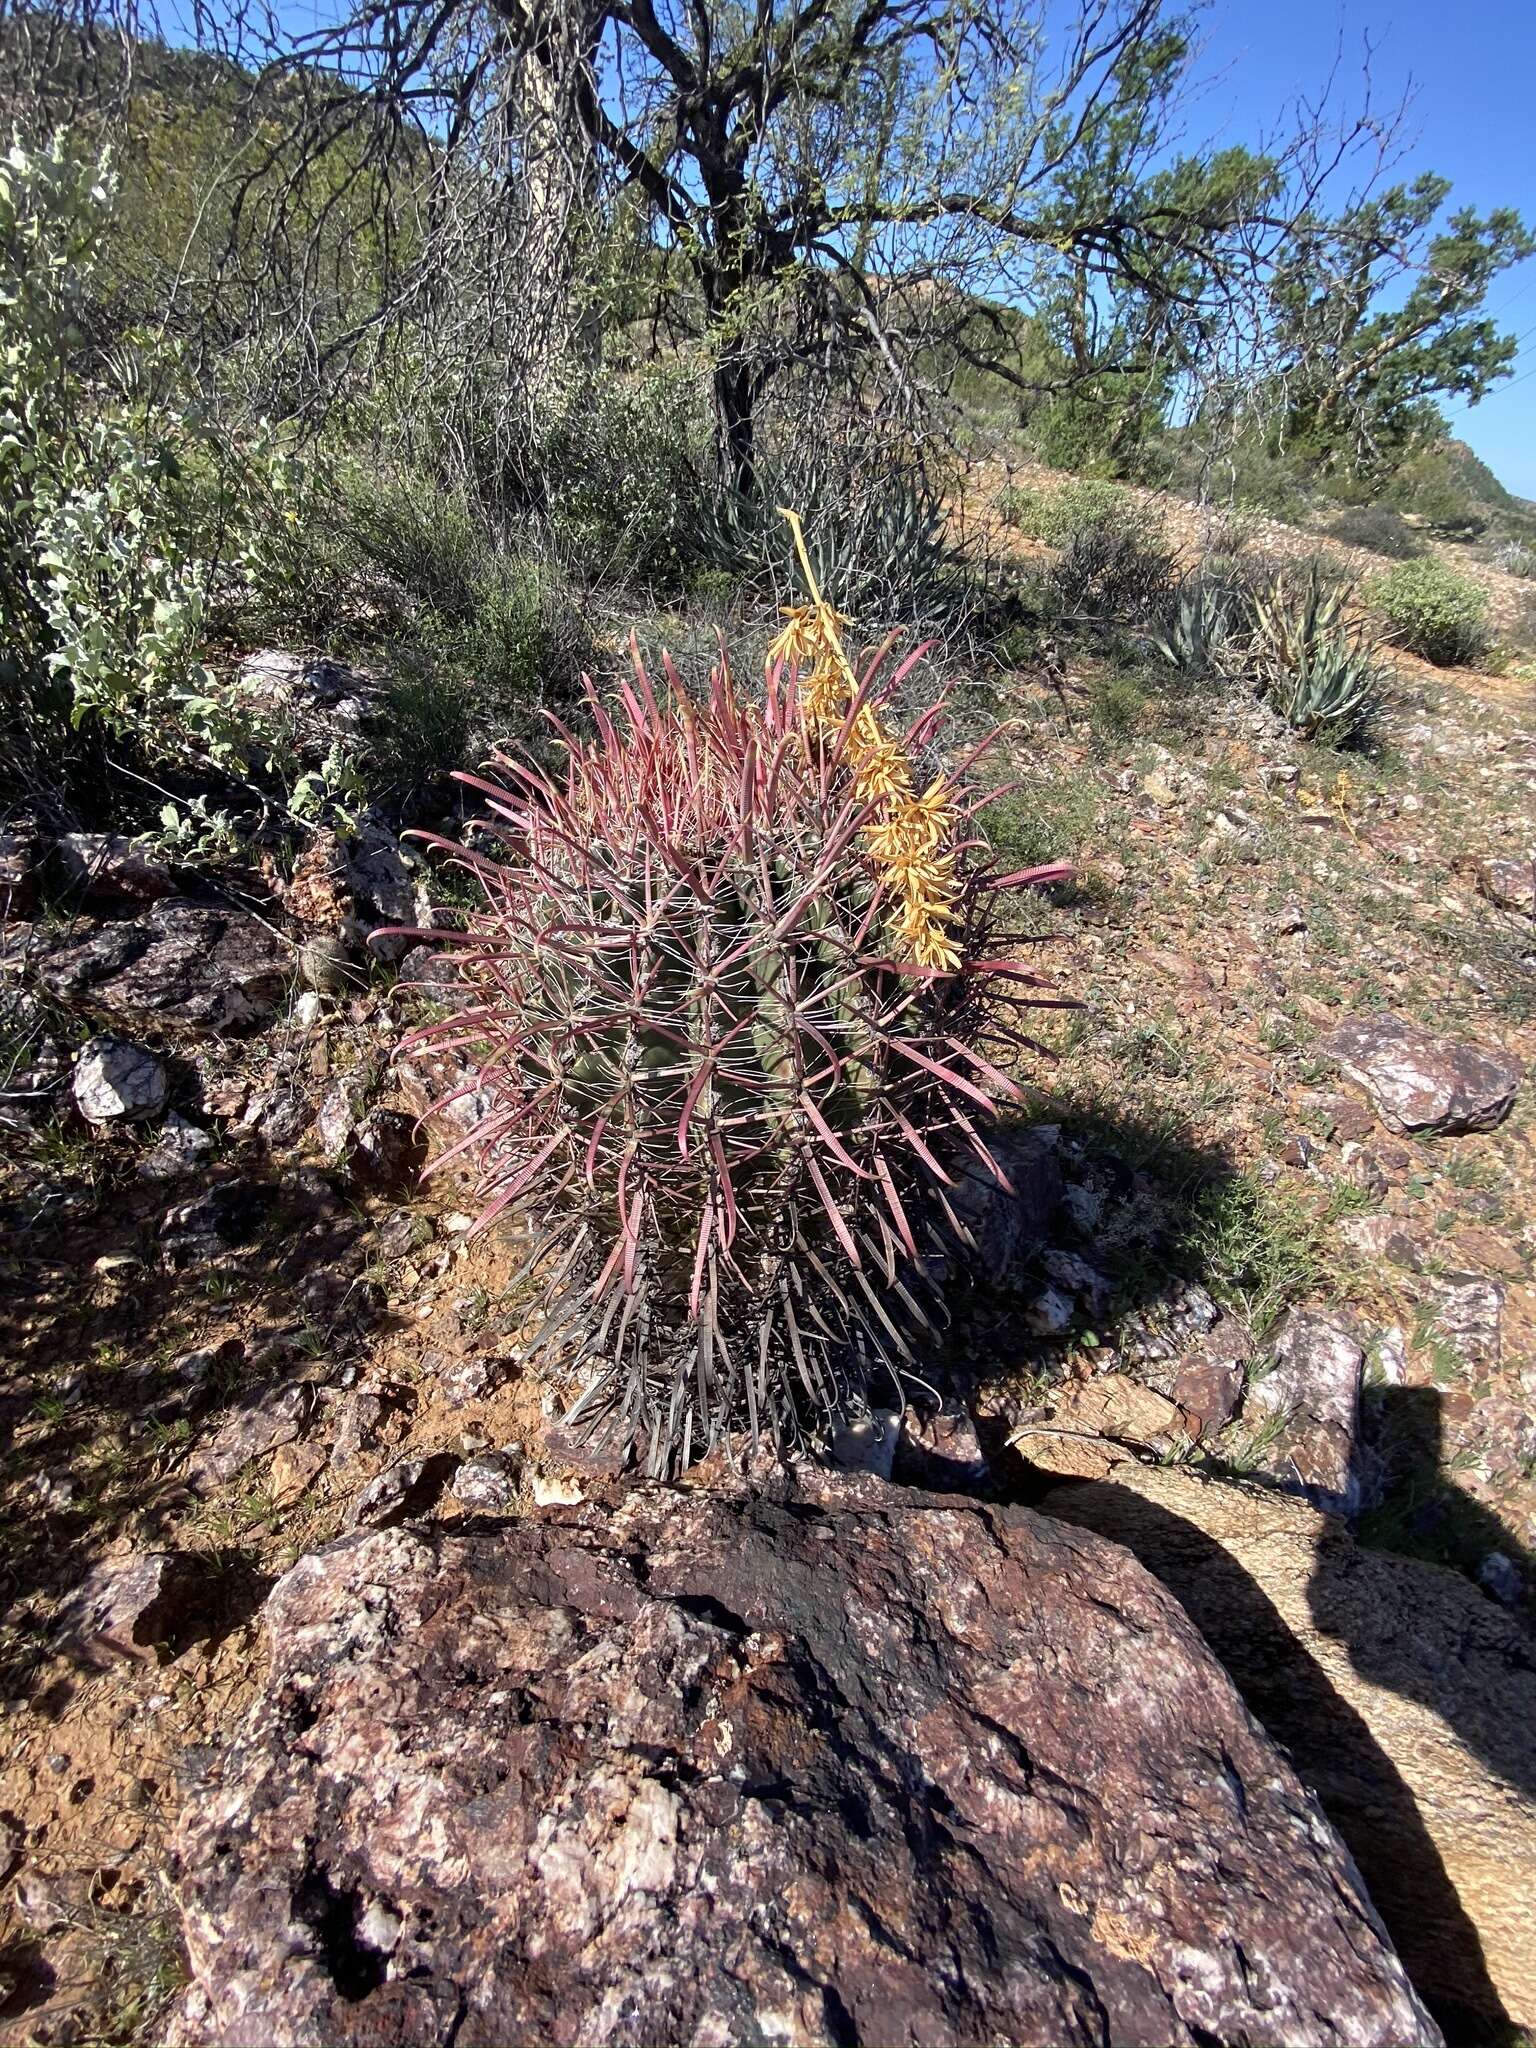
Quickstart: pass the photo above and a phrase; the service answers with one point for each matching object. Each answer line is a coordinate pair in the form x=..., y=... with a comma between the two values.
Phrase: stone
x=1050, y=1314
x=131, y=1607
x=180, y=1148
x=366, y=1416
x=412, y=1487
x=846, y=1765
x=265, y=1419
x=326, y=967
x=118, y=1082
x=104, y=867
x=1074, y=1275
x=180, y=963
x=1095, y=1425
x=1206, y=1390
x=1311, y=1400
x=1403, y=1696
x=1500, y=1576
x=1009, y=1228
x=1511, y=884
x=387, y=1153
x=867, y=1443
x=474, y=1379
x=430, y=1075
x=383, y=889
x=940, y=1450
x=487, y=1485
x=1382, y=1237
x=1421, y=1083
x=204, y=1227
x=1469, y=1311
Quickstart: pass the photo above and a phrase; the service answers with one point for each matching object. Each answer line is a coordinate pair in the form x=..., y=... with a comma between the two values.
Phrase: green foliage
x=1371, y=358
x=1433, y=612
x=1198, y=626
x=1322, y=677
x=1441, y=488
x=1047, y=819
x=102, y=593
x=1056, y=515
x=1380, y=528
x=618, y=468
x=873, y=528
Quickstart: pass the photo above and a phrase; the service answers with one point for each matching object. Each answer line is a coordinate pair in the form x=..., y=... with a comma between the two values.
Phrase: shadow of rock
x=1405, y=1698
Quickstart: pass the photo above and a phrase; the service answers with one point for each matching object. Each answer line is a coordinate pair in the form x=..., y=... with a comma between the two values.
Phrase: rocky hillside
x=1169, y=1678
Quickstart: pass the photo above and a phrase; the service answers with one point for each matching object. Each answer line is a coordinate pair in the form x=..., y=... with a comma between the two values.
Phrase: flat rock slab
x=1421, y=1083
x=1402, y=1694
x=849, y=1764
x=180, y=963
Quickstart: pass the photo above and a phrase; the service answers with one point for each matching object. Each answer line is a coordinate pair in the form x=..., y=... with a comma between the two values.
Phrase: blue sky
x=1472, y=68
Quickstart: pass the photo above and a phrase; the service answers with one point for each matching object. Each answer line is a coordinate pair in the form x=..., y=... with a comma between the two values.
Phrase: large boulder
x=844, y=1765
x=1403, y=1696
x=1420, y=1083
x=180, y=963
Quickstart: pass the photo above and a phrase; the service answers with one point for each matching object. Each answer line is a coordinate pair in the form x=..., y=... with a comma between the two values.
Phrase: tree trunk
x=734, y=398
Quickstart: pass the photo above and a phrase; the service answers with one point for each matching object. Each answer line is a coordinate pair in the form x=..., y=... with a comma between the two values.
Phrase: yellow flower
x=906, y=833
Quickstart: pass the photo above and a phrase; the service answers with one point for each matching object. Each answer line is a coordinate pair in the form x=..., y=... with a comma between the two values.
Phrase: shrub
x=101, y=591
x=1380, y=528
x=1433, y=612
x=620, y=472
x=1058, y=515
x=1112, y=571
x=725, y=991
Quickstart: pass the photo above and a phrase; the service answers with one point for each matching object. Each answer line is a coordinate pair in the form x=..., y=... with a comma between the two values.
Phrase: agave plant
x=875, y=532
x=1197, y=628
x=1336, y=696
x=1321, y=676
x=724, y=1096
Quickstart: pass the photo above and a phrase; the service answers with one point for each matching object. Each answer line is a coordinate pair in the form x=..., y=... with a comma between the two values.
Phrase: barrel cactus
x=728, y=1077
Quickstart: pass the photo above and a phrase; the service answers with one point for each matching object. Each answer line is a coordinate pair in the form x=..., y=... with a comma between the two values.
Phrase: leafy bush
x=1380, y=528
x=1056, y=516
x=1433, y=612
x=620, y=472
x=1322, y=678
x=102, y=595
x=716, y=1077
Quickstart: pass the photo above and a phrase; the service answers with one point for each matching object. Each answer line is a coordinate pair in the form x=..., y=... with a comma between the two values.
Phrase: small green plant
x=1198, y=627
x=1057, y=515
x=1319, y=673
x=1433, y=612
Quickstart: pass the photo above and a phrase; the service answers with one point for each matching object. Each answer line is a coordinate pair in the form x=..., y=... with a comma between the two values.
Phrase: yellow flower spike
x=906, y=832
